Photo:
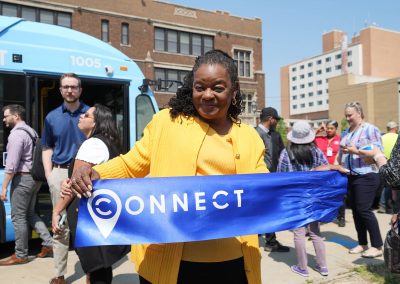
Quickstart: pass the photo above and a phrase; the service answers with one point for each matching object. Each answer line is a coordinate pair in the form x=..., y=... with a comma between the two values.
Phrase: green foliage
x=343, y=125
x=281, y=128
x=377, y=274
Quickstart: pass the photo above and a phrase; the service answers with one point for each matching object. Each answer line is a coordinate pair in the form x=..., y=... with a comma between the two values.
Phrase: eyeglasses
x=73, y=88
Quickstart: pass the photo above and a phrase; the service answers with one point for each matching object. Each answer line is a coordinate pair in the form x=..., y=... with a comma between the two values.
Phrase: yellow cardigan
x=170, y=147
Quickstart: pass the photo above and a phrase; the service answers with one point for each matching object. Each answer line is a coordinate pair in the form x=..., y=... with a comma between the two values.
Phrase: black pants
x=102, y=275
x=231, y=272
x=363, y=189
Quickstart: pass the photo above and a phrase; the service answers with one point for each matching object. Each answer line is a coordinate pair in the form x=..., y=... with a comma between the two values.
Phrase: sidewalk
x=275, y=266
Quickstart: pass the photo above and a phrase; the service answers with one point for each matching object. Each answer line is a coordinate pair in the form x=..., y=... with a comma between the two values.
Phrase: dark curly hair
x=182, y=102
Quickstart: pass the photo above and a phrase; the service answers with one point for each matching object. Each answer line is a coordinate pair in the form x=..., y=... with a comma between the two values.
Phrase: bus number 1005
x=86, y=61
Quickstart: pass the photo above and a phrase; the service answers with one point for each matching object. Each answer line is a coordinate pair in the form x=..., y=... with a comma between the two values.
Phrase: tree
x=281, y=128
x=343, y=124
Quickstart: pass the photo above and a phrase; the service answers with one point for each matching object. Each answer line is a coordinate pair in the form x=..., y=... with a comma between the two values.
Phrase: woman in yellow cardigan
x=199, y=135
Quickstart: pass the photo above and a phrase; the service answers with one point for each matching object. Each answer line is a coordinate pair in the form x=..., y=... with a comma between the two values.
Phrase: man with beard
x=273, y=146
x=24, y=188
x=60, y=141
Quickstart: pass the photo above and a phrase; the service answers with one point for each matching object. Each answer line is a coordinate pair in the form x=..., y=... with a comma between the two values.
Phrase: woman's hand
x=329, y=167
x=66, y=188
x=54, y=223
x=81, y=181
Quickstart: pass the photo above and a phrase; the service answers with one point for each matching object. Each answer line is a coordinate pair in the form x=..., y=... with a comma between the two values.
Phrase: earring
x=234, y=101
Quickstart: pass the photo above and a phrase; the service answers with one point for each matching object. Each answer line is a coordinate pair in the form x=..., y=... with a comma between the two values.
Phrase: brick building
x=306, y=88
x=162, y=38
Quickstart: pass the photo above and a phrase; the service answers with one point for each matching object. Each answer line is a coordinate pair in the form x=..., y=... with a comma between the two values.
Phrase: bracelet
x=378, y=156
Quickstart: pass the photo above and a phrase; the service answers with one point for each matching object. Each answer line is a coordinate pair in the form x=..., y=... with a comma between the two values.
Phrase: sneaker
x=276, y=247
x=322, y=270
x=298, y=270
x=342, y=222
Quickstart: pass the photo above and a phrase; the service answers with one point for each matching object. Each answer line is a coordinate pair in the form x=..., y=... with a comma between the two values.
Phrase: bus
x=34, y=55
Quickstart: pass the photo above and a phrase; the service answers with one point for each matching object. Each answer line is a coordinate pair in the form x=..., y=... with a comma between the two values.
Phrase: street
x=275, y=266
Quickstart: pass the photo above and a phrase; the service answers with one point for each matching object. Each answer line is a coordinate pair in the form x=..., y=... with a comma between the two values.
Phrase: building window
x=28, y=13
x=309, y=64
x=294, y=106
x=302, y=96
x=310, y=84
x=105, y=30
x=293, y=69
x=319, y=82
x=319, y=72
x=172, y=41
x=294, y=88
x=10, y=10
x=328, y=59
x=327, y=102
x=338, y=67
x=125, y=33
x=327, y=70
x=182, y=42
x=301, y=67
x=247, y=100
x=36, y=14
x=302, y=105
x=310, y=94
x=349, y=53
x=242, y=58
x=310, y=104
x=338, y=56
x=349, y=64
x=46, y=16
x=319, y=92
x=302, y=86
x=64, y=20
x=319, y=61
x=310, y=74
x=294, y=97
x=172, y=75
x=302, y=76
x=319, y=103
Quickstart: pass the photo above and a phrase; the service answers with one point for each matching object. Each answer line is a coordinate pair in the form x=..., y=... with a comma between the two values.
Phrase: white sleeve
x=93, y=151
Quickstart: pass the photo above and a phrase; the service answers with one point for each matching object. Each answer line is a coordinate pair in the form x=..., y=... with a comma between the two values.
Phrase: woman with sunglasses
x=102, y=144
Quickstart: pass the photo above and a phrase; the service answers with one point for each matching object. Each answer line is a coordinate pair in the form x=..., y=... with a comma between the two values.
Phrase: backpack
x=37, y=170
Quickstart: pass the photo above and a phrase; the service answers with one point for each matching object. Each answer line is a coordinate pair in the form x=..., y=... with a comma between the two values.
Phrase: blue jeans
x=23, y=200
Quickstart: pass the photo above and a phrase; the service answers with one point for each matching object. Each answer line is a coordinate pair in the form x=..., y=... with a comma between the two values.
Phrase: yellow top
x=170, y=147
x=210, y=164
x=388, y=141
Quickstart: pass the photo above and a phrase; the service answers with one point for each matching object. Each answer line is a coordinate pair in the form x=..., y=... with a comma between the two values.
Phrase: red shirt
x=330, y=147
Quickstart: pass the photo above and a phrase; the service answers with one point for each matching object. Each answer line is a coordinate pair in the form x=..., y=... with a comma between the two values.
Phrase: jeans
x=300, y=245
x=23, y=200
x=61, y=241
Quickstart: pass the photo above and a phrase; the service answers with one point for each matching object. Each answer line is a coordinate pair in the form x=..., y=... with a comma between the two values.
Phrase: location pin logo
x=99, y=206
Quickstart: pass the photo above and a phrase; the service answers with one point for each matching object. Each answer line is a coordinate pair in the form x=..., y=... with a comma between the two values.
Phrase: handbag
x=391, y=253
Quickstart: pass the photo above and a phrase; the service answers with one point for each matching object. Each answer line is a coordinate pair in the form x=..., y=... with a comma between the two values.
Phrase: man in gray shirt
x=24, y=188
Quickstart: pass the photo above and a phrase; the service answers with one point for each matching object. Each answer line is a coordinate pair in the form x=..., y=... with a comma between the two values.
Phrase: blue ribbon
x=184, y=209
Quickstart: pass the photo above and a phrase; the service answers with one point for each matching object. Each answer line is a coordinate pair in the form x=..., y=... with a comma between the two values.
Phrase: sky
x=292, y=29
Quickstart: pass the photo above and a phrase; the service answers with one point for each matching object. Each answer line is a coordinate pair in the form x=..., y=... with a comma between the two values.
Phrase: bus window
x=12, y=91
x=144, y=113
